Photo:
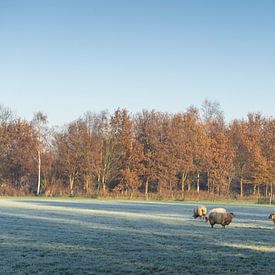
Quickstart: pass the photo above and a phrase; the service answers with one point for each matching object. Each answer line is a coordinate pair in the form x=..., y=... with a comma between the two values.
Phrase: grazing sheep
x=199, y=211
x=272, y=217
x=215, y=210
x=220, y=218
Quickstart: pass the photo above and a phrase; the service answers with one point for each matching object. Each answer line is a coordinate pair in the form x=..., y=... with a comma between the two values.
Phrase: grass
x=82, y=236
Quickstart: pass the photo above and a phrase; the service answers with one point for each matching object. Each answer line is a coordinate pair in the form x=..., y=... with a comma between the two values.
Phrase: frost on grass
x=91, y=237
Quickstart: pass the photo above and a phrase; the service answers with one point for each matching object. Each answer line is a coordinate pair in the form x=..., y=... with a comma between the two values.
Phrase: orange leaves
x=150, y=151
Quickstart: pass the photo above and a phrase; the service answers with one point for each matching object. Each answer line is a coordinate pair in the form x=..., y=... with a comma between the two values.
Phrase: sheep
x=272, y=217
x=220, y=218
x=215, y=210
x=199, y=211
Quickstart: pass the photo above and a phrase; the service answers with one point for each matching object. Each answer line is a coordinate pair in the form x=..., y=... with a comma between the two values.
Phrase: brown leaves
x=151, y=150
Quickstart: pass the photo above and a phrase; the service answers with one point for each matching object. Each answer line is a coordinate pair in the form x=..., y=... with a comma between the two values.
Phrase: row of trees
x=146, y=153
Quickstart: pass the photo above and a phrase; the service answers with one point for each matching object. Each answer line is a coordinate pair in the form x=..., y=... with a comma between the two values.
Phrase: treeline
x=145, y=154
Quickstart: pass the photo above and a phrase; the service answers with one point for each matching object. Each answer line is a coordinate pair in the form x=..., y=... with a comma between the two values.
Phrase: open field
x=94, y=236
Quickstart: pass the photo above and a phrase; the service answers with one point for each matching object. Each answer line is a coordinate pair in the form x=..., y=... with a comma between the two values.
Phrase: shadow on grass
x=78, y=243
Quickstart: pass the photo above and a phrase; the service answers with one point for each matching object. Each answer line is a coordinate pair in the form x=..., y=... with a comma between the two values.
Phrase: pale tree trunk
x=188, y=185
x=98, y=183
x=101, y=172
x=39, y=173
x=146, y=188
x=271, y=189
x=103, y=184
x=87, y=181
x=198, y=182
x=170, y=188
x=132, y=193
x=71, y=182
x=254, y=189
x=183, y=178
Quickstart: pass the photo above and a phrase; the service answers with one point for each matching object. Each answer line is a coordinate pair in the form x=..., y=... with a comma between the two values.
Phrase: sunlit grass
x=130, y=215
x=260, y=248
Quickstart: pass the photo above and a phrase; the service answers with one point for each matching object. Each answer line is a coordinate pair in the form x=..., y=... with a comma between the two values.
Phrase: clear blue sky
x=67, y=57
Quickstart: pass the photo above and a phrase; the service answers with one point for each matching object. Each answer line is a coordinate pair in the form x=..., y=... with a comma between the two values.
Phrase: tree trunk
x=71, y=182
x=229, y=185
x=98, y=183
x=183, y=177
x=170, y=189
x=213, y=187
x=207, y=182
x=254, y=189
x=146, y=188
x=188, y=185
x=131, y=194
x=198, y=182
x=39, y=173
x=241, y=187
x=271, y=189
x=266, y=190
x=103, y=185
x=87, y=181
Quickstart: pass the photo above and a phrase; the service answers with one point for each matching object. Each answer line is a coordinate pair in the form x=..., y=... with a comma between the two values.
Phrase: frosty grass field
x=94, y=236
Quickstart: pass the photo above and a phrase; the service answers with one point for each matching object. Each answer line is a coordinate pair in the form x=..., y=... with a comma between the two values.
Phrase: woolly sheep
x=220, y=218
x=199, y=211
x=215, y=210
x=272, y=217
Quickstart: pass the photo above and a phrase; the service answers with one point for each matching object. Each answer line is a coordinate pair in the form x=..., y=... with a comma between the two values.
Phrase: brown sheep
x=272, y=217
x=215, y=210
x=220, y=218
x=200, y=211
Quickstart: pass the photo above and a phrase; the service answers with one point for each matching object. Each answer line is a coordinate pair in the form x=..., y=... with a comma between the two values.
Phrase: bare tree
x=39, y=122
x=211, y=110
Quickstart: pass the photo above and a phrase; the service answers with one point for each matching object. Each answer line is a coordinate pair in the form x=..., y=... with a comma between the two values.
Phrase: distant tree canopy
x=170, y=155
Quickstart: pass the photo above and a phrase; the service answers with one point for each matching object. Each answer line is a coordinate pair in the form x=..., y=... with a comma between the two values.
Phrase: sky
x=65, y=57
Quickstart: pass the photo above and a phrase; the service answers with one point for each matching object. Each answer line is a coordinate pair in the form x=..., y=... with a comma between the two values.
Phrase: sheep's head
x=232, y=215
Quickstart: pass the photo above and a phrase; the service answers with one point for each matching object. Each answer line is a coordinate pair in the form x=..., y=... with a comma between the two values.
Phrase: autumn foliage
x=150, y=154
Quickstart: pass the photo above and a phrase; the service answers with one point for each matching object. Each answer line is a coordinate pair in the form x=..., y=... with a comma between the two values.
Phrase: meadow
x=79, y=236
